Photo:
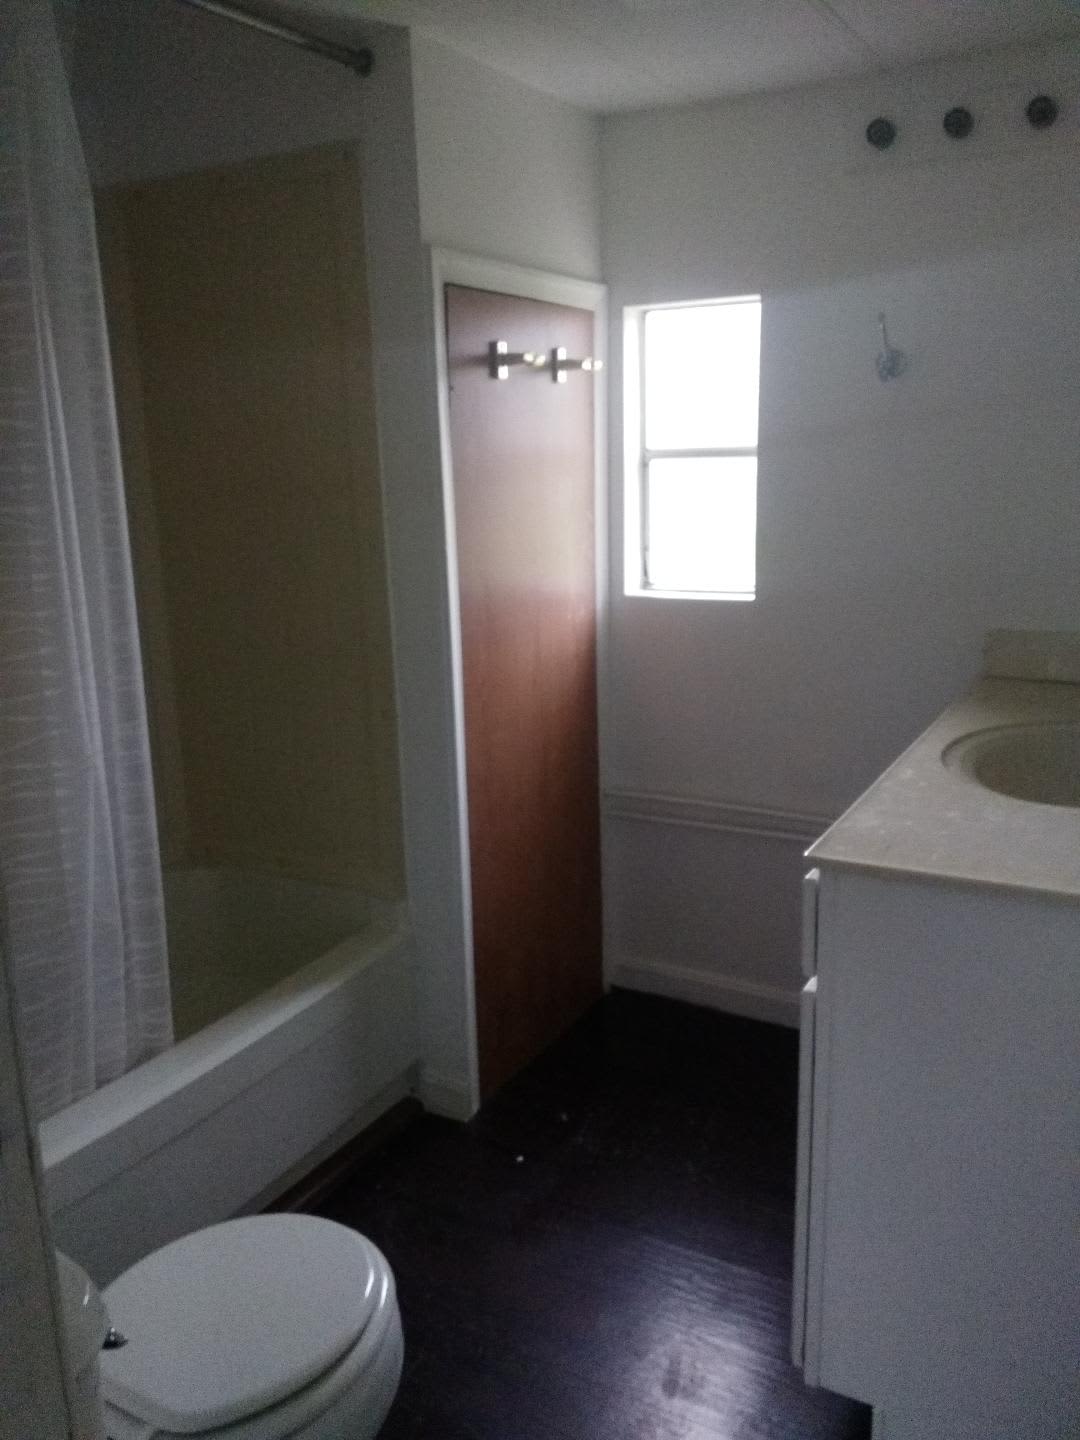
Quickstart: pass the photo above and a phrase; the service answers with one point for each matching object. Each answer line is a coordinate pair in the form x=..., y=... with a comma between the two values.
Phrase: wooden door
x=523, y=486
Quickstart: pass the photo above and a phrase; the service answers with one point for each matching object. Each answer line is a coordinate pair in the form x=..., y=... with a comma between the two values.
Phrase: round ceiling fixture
x=881, y=133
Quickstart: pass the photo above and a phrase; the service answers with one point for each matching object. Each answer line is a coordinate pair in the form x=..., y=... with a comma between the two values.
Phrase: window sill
x=643, y=592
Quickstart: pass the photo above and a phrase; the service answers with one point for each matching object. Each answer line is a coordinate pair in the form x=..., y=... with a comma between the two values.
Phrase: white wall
x=897, y=522
x=505, y=171
x=161, y=89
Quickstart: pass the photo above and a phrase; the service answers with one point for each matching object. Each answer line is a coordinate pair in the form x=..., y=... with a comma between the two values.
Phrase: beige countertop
x=927, y=818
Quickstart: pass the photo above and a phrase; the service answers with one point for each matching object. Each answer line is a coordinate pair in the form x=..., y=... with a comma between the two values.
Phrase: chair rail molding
x=727, y=817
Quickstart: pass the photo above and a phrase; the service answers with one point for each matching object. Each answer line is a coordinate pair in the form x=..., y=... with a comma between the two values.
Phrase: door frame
x=454, y=267
x=37, y=1401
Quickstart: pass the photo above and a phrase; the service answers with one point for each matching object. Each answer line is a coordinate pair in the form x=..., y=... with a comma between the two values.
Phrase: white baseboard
x=446, y=1095
x=718, y=992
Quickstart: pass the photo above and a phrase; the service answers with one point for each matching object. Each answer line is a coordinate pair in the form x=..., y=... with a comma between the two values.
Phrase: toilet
x=275, y=1327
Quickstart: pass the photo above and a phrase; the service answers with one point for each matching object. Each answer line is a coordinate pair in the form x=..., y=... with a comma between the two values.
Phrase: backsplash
x=1033, y=655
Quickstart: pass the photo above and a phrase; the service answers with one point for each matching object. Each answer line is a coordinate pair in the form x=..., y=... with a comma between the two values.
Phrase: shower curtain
x=80, y=885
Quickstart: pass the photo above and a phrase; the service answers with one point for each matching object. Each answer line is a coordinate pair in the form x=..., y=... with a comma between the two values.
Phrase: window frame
x=639, y=457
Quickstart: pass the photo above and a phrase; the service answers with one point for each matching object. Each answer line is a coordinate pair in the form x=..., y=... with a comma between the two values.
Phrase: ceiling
x=627, y=54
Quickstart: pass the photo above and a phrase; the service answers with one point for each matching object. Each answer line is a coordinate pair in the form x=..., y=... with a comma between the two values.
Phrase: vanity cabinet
x=938, y=1226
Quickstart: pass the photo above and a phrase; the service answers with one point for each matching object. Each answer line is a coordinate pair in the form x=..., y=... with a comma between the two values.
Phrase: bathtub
x=295, y=1019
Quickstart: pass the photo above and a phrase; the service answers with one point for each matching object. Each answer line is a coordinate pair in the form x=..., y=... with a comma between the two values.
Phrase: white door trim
x=452, y=267
x=33, y=1378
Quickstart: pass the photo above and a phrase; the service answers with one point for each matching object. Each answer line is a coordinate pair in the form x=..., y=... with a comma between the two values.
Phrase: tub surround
x=257, y=592
x=221, y=1122
x=926, y=817
x=234, y=933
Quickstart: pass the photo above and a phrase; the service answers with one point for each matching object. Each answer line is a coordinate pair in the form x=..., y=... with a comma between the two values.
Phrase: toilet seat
x=258, y=1329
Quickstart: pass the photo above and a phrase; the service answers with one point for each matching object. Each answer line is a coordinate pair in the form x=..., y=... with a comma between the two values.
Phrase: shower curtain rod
x=360, y=60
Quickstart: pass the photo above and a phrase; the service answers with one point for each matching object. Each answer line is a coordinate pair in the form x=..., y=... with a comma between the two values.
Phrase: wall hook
x=890, y=361
x=500, y=358
x=562, y=364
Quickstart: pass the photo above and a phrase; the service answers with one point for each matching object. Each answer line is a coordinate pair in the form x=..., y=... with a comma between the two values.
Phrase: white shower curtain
x=80, y=884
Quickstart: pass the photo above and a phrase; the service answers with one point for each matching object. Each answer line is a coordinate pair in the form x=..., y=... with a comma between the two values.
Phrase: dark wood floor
x=605, y=1252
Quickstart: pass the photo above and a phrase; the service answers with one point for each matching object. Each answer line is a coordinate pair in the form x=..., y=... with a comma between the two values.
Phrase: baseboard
x=748, y=998
x=446, y=1095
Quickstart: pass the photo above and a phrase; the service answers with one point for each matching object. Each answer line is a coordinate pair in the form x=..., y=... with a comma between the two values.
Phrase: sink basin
x=1038, y=762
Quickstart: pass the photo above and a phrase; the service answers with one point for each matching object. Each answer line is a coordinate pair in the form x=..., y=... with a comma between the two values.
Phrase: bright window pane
x=701, y=376
x=702, y=524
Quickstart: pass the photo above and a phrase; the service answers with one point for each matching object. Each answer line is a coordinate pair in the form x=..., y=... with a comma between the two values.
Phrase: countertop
x=925, y=818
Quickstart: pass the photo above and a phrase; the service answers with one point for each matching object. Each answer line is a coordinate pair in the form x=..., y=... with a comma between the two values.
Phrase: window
x=692, y=376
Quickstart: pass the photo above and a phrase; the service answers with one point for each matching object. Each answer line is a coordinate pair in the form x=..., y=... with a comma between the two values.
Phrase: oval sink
x=1039, y=762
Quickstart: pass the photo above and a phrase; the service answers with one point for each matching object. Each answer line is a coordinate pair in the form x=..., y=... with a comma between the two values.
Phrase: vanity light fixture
x=881, y=132
x=958, y=123
x=1042, y=111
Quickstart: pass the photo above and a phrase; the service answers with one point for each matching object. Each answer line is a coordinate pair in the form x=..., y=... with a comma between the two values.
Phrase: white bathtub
x=239, y=1108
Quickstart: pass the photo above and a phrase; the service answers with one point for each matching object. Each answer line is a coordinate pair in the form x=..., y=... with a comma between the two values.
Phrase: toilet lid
x=232, y=1319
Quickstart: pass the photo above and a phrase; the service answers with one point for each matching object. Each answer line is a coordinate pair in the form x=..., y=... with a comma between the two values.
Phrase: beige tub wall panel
x=162, y=718
x=251, y=308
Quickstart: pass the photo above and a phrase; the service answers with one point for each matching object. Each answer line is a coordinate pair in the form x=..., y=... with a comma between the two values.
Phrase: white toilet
x=258, y=1329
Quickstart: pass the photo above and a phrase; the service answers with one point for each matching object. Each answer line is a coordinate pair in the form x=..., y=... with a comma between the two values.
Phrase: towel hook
x=500, y=358
x=890, y=361
x=562, y=364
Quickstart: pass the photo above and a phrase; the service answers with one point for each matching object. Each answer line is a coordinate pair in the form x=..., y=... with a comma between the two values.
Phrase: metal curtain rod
x=360, y=60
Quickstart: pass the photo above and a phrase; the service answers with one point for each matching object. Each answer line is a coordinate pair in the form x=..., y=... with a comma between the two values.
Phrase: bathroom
x=898, y=521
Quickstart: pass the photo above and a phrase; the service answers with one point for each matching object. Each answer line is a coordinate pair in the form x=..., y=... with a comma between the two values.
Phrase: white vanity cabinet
x=938, y=1244
x=938, y=1220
